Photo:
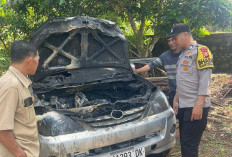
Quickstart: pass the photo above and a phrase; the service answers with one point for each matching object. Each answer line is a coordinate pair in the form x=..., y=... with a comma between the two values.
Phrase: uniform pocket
x=29, y=109
x=28, y=102
x=186, y=66
x=30, y=114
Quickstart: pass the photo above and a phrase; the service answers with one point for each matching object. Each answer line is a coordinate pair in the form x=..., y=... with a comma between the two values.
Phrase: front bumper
x=155, y=130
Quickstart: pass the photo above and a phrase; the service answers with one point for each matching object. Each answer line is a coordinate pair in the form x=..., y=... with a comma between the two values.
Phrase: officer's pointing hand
x=197, y=113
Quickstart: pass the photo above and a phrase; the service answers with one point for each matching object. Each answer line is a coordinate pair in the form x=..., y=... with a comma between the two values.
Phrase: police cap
x=178, y=28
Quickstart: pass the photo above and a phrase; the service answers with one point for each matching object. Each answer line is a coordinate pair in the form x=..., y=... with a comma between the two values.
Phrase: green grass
x=218, y=148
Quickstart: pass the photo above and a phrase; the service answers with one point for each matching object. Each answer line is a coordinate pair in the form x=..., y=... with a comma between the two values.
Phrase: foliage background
x=4, y=61
x=142, y=21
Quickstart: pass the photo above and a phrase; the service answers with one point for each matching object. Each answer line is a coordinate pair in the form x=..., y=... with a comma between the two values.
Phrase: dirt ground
x=217, y=138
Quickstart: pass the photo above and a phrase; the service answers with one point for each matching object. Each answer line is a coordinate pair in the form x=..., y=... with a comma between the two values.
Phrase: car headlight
x=54, y=124
x=158, y=102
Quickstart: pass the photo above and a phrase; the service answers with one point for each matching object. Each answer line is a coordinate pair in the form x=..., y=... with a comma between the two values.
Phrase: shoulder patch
x=204, y=58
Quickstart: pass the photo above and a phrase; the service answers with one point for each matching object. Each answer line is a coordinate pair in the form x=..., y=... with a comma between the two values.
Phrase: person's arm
x=143, y=69
x=8, y=141
x=175, y=103
x=198, y=108
x=203, y=92
x=8, y=104
x=155, y=63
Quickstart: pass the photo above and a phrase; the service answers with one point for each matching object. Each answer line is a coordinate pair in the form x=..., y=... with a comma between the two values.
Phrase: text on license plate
x=137, y=152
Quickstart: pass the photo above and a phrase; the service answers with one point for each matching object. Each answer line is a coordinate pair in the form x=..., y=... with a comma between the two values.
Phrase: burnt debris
x=99, y=105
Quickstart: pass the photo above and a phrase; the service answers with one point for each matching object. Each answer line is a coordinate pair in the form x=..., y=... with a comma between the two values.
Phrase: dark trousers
x=171, y=97
x=191, y=131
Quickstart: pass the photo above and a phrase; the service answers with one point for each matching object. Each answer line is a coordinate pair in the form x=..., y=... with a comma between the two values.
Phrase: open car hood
x=69, y=44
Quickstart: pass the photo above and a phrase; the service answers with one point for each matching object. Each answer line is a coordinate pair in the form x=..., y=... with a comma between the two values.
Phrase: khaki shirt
x=192, y=82
x=17, y=112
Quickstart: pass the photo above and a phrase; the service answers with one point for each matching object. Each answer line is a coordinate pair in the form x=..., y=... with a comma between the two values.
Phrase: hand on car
x=132, y=67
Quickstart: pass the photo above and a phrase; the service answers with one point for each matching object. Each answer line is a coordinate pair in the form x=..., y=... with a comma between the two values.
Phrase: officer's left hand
x=175, y=106
x=197, y=113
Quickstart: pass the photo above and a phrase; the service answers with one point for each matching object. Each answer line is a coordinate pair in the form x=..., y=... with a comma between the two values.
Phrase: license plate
x=137, y=152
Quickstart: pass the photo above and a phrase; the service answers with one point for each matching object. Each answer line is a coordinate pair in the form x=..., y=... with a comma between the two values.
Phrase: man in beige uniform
x=18, y=125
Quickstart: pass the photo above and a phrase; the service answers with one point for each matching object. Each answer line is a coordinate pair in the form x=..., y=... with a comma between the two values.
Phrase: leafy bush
x=4, y=61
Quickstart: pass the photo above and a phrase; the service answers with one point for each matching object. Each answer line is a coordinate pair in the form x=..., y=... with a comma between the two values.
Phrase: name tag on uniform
x=28, y=102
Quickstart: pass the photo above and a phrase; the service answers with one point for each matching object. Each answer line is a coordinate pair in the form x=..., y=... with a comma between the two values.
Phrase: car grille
x=108, y=119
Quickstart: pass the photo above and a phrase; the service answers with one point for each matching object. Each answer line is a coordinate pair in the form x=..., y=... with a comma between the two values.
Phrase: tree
x=137, y=12
x=199, y=14
x=139, y=16
x=160, y=15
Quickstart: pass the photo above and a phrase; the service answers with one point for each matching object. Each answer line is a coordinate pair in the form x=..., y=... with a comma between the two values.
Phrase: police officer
x=167, y=59
x=18, y=125
x=193, y=77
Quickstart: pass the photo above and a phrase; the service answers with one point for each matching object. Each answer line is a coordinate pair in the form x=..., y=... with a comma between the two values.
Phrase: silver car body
x=156, y=129
x=73, y=121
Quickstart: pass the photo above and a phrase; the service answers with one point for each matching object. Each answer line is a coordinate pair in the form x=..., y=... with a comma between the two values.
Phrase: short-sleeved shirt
x=168, y=59
x=17, y=112
x=192, y=82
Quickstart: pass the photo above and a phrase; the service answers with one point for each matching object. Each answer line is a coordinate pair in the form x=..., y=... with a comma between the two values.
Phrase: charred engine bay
x=90, y=107
x=84, y=80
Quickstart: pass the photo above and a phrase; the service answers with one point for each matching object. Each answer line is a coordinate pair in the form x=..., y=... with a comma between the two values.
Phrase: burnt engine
x=92, y=106
x=84, y=80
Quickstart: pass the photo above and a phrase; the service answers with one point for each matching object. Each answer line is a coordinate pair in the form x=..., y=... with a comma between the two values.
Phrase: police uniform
x=194, y=69
x=17, y=112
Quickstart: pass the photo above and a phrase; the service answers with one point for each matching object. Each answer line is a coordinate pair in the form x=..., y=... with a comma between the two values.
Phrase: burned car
x=88, y=100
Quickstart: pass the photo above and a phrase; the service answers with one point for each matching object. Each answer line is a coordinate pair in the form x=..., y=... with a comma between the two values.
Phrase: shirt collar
x=177, y=53
x=23, y=79
x=193, y=45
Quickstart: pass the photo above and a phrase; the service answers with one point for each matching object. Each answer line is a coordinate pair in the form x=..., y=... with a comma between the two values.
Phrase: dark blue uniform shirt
x=168, y=59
